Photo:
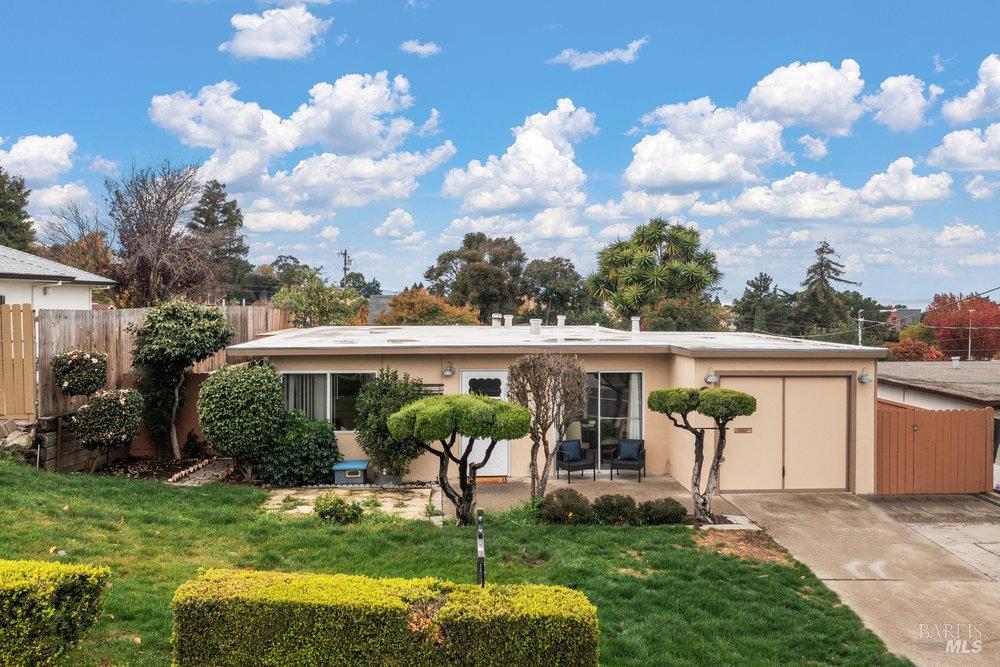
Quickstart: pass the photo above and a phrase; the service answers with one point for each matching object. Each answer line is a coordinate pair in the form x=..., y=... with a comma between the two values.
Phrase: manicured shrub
x=236, y=617
x=333, y=507
x=110, y=419
x=241, y=409
x=565, y=506
x=387, y=393
x=661, y=511
x=80, y=372
x=46, y=608
x=615, y=509
x=303, y=452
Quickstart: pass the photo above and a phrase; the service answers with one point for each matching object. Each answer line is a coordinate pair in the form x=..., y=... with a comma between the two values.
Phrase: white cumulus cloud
x=420, y=49
x=330, y=233
x=979, y=188
x=641, y=205
x=901, y=103
x=38, y=158
x=815, y=148
x=899, y=185
x=586, y=59
x=815, y=95
x=265, y=215
x=400, y=228
x=959, y=234
x=536, y=171
x=702, y=145
x=969, y=150
x=981, y=259
x=983, y=101
x=287, y=33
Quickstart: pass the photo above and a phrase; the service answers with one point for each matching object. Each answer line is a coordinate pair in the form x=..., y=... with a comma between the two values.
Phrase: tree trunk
x=543, y=479
x=536, y=488
x=712, y=487
x=174, y=443
x=701, y=503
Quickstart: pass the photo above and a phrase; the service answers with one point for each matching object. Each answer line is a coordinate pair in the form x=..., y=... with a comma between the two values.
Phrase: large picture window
x=330, y=396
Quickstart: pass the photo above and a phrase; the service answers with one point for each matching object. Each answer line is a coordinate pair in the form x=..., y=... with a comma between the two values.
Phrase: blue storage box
x=351, y=472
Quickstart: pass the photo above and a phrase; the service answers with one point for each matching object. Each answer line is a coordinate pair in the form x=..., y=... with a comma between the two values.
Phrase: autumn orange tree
x=954, y=319
x=418, y=306
x=914, y=350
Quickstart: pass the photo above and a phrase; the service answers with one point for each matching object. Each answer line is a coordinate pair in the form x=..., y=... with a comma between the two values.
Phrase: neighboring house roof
x=18, y=265
x=975, y=381
x=436, y=339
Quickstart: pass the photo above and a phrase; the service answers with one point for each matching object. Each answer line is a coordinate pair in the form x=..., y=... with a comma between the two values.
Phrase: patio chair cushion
x=628, y=450
x=572, y=450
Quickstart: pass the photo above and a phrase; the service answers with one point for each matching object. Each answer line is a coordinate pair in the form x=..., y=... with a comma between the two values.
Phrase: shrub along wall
x=45, y=609
x=230, y=617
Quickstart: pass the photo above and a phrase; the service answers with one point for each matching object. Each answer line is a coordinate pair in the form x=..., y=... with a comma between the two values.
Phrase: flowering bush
x=110, y=419
x=80, y=371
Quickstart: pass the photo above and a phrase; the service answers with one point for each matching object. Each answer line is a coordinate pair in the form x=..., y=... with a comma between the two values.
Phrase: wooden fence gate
x=17, y=357
x=933, y=451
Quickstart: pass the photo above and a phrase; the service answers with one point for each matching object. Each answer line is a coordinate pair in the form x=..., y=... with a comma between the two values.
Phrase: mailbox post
x=480, y=549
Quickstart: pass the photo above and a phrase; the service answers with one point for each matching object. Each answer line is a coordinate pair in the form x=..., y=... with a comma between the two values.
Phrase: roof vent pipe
x=495, y=317
x=508, y=320
x=955, y=362
x=635, y=324
x=560, y=321
x=536, y=327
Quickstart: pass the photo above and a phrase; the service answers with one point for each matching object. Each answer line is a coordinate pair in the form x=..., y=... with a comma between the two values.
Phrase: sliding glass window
x=330, y=396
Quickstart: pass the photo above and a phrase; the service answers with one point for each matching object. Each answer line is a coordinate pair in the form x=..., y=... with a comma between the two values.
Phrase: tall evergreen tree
x=819, y=302
x=219, y=222
x=763, y=307
x=16, y=230
x=483, y=272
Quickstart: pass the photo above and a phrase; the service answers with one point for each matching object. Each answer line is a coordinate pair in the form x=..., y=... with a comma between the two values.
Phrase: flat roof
x=518, y=339
x=977, y=381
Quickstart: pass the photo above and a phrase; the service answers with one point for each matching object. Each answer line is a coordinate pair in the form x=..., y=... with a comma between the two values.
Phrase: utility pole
x=861, y=321
x=347, y=260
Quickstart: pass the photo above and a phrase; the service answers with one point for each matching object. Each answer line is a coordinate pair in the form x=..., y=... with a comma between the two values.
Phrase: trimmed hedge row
x=568, y=506
x=46, y=608
x=237, y=617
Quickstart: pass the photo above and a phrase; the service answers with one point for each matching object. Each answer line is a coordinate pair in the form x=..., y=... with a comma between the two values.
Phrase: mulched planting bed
x=143, y=468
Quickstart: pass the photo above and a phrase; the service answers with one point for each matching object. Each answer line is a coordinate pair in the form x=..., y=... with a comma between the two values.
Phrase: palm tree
x=659, y=260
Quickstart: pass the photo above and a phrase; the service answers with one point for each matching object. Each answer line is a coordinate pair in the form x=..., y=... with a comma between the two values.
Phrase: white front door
x=493, y=384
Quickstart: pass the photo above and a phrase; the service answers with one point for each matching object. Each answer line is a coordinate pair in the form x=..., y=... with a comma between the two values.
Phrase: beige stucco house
x=814, y=428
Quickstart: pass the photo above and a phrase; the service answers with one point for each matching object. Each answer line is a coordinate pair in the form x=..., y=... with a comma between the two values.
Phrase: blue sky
x=371, y=125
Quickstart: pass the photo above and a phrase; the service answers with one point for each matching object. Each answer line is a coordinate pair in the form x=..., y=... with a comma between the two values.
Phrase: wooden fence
x=933, y=451
x=109, y=331
x=17, y=356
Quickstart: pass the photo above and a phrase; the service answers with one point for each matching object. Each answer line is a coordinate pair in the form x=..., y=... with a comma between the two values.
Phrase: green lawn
x=660, y=599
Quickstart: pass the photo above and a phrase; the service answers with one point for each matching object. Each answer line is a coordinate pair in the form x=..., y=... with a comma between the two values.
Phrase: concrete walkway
x=213, y=472
x=912, y=592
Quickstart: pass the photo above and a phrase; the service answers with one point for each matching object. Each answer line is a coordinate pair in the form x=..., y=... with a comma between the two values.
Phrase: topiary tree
x=241, y=409
x=80, y=372
x=554, y=388
x=722, y=406
x=386, y=393
x=445, y=419
x=110, y=419
x=172, y=338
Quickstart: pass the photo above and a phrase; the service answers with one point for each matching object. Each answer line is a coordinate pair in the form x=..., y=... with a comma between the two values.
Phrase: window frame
x=329, y=387
x=642, y=393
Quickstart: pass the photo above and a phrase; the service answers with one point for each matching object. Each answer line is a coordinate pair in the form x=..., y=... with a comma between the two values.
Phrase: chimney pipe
x=536, y=327
x=495, y=317
x=635, y=323
x=508, y=320
x=956, y=362
x=560, y=321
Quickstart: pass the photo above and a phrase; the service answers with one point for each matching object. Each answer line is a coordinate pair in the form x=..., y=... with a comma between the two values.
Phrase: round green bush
x=303, y=452
x=565, y=506
x=379, y=398
x=661, y=511
x=110, y=419
x=241, y=409
x=332, y=507
x=80, y=372
x=615, y=509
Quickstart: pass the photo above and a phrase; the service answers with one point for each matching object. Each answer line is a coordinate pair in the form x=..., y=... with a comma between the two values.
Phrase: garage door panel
x=816, y=433
x=753, y=457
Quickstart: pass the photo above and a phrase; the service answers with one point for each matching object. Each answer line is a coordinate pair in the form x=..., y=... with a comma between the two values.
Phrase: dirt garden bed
x=406, y=502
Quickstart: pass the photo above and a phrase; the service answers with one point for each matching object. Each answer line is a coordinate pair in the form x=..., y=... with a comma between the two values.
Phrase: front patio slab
x=914, y=593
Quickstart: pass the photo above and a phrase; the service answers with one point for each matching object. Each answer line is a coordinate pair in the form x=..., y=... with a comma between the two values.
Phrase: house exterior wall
x=923, y=399
x=668, y=449
x=59, y=297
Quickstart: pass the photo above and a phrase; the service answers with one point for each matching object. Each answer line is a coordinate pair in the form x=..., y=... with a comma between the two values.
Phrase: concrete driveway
x=923, y=599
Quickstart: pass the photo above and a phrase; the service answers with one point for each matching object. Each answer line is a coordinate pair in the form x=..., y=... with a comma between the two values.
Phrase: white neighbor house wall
x=923, y=399
x=47, y=295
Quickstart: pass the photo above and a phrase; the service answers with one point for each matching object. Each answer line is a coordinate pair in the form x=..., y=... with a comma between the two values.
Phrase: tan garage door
x=797, y=439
